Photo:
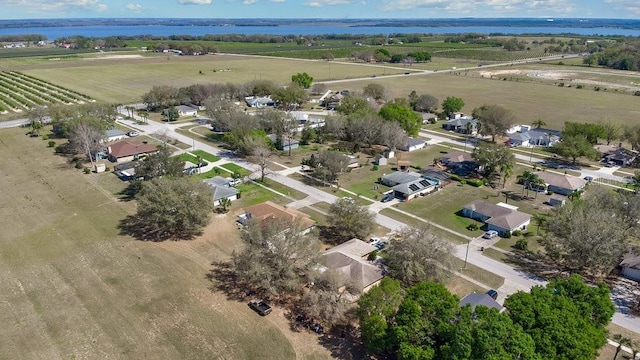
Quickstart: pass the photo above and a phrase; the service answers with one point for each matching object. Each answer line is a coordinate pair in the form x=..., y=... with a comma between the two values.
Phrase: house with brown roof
x=268, y=211
x=630, y=266
x=124, y=151
x=561, y=183
x=349, y=259
x=499, y=217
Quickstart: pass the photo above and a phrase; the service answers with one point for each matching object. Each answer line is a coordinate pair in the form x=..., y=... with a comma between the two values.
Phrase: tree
x=330, y=297
x=392, y=135
x=349, y=220
x=452, y=104
x=161, y=97
x=622, y=341
x=225, y=204
x=172, y=208
x=410, y=121
x=580, y=314
x=573, y=147
x=529, y=181
x=375, y=91
x=329, y=165
x=319, y=89
x=425, y=103
x=158, y=165
x=86, y=137
x=590, y=132
x=276, y=254
x=494, y=118
x=260, y=155
x=506, y=169
x=376, y=310
x=492, y=156
x=612, y=131
x=171, y=114
x=541, y=221
x=590, y=234
x=37, y=117
x=636, y=181
x=538, y=123
x=420, y=255
x=304, y=80
x=353, y=104
x=289, y=98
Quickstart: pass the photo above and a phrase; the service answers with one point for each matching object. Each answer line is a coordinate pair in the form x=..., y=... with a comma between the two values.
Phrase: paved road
x=13, y=123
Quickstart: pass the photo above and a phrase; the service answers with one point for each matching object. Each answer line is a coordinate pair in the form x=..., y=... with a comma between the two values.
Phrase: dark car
x=387, y=198
x=260, y=306
x=493, y=294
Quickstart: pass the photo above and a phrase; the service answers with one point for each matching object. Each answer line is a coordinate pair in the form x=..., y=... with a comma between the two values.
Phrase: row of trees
x=425, y=321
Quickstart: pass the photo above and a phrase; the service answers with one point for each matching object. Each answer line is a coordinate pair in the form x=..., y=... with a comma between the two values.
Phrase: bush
x=522, y=244
x=59, y=149
x=476, y=183
x=373, y=255
x=473, y=227
x=579, y=86
x=455, y=177
x=107, y=169
x=86, y=170
x=507, y=235
x=78, y=165
x=463, y=181
x=517, y=233
x=52, y=143
x=374, y=168
x=637, y=93
x=45, y=137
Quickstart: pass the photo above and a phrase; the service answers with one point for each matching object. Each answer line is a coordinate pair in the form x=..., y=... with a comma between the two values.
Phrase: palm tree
x=622, y=341
x=636, y=181
x=527, y=178
x=225, y=203
x=539, y=123
x=468, y=127
x=507, y=170
x=541, y=220
x=478, y=127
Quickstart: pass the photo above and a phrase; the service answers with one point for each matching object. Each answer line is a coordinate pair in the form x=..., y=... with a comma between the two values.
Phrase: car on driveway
x=133, y=133
x=493, y=294
x=388, y=197
x=490, y=234
x=348, y=199
x=374, y=240
x=588, y=178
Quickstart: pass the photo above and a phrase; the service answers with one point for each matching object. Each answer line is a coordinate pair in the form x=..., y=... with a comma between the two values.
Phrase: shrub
x=78, y=165
x=45, y=137
x=507, y=235
x=474, y=182
x=59, y=149
x=473, y=227
x=579, y=86
x=455, y=177
x=463, y=181
x=86, y=170
x=637, y=93
x=107, y=169
x=522, y=244
x=374, y=168
x=550, y=192
x=517, y=233
x=373, y=255
x=52, y=143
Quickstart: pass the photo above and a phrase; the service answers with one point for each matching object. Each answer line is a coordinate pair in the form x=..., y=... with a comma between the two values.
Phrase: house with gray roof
x=535, y=137
x=399, y=177
x=349, y=259
x=561, y=183
x=459, y=125
x=475, y=300
x=413, y=145
x=221, y=189
x=499, y=217
x=259, y=101
x=630, y=266
x=115, y=135
x=409, y=185
x=184, y=110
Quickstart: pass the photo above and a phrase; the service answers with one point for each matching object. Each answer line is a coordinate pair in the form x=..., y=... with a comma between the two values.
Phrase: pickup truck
x=260, y=306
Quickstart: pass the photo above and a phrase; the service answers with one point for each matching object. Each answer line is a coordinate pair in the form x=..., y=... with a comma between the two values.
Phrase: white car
x=133, y=133
x=490, y=234
x=374, y=240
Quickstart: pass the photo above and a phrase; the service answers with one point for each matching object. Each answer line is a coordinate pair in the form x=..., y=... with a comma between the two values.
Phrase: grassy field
x=71, y=287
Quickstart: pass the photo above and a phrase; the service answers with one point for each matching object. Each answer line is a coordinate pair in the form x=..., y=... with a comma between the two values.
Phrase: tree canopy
x=404, y=115
x=304, y=80
x=349, y=220
x=159, y=164
x=573, y=147
x=495, y=120
x=492, y=156
x=452, y=104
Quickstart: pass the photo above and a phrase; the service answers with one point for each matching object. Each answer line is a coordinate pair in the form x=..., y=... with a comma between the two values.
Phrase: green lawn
x=205, y=155
x=410, y=221
x=283, y=189
x=251, y=194
x=188, y=158
x=479, y=274
x=233, y=168
x=316, y=216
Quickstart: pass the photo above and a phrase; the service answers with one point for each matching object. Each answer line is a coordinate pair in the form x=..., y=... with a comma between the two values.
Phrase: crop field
x=20, y=92
x=71, y=287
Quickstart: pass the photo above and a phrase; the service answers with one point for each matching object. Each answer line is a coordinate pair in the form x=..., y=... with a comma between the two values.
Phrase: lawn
x=188, y=158
x=251, y=194
x=205, y=155
x=236, y=169
x=73, y=287
x=283, y=189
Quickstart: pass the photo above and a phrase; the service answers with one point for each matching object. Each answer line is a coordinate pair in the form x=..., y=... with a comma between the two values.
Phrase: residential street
x=515, y=280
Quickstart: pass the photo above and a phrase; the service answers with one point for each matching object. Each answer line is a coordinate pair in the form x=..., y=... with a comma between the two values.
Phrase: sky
x=338, y=9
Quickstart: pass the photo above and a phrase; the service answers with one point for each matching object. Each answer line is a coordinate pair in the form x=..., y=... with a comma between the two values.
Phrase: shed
x=380, y=160
x=630, y=266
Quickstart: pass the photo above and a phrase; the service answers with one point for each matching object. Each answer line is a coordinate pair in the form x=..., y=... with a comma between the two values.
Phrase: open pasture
x=72, y=288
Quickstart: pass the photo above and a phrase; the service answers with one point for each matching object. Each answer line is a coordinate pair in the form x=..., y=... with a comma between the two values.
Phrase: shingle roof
x=185, y=108
x=487, y=209
x=220, y=188
x=561, y=181
x=360, y=271
x=270, y=210
x=355, y=247
x=499, y=216
x=510, y=221
x=413, y=187
x=126, y=148
x=631, y=260
x=401, y=177
x=115, y=132
x=458, y=157
x=475, y=299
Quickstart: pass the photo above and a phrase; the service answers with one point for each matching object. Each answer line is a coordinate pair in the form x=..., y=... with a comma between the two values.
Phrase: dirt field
x=71, y=287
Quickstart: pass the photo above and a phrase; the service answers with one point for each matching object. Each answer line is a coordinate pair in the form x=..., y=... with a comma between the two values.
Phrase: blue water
x=53, y=33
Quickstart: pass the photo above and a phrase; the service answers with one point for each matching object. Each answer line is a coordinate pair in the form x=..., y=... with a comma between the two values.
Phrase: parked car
x=133, y=133
x=490, y=234
x=260, y=306
x=381, y=245
x=493, y=294
x=588, y=178
x=203, y=164
x=388, y=197
x=348, y=199
x=374, y=240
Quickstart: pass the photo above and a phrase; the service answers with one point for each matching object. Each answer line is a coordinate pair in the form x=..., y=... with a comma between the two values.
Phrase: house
x=475, y=299
x=348, y=258
x=499, y=217
x=413, y=145
x=620, y=156
x=561, y=183
x=380, y=160
x=184, y=110
x=268, y=210
x=285, y=143
x=630, y=266
x=535, y=137
x=115, y=135
x=409, y=185
x=221, y=189
x=124, y=151
x=460, y=163
x=460, y=125
x=259, y=101
x=429, y=118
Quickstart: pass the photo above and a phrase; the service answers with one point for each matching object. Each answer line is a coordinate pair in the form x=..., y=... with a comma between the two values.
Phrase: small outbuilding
x=630, y=266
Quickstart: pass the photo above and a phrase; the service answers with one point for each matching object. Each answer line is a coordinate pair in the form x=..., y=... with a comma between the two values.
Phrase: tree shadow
x=141, y=229
x=531, y=265
x=223, y=278
x=344, y=343
x=129, y=193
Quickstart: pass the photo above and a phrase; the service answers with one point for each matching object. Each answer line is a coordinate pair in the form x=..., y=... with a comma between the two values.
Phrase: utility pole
x=466, y=255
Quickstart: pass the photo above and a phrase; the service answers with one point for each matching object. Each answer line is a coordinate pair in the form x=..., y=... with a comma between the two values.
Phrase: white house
x=259, y=101
x=413, y=145
x=115, y=135
x=630, y=266
x=499, y=217
x=221, y=189
x=535, y=137
x=184, y=110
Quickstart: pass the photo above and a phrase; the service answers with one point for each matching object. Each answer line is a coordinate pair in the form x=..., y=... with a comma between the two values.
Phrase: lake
x=53, y=33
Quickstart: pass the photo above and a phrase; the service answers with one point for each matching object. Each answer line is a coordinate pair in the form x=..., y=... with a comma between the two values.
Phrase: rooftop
x=270, y=210
x=126, y=148
x=561, y=180
x=475, y=299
